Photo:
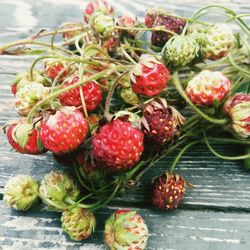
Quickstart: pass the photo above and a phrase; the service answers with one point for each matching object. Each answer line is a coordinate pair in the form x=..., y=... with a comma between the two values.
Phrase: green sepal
x=22, y=134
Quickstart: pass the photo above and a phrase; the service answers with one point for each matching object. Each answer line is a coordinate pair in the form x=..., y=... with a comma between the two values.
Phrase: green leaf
x=22, y=134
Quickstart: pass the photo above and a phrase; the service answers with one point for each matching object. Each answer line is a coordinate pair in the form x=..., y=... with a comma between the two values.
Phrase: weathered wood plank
x=199, y=230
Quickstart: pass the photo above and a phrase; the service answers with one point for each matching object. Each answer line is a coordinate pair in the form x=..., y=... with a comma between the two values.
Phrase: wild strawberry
x=118, y=145
x=21, y=192
x=28, y=96
x=103, y=25
x=24, y=78
x=151, y=15
x=180, y=51
x=92, y=94
x=174, y=24
x=128, y=21
x=24, y=138
x=125, y=229
x=53, y=68
x=58, y=190
x=97, y=6
x=78, y=223
x=149, y=77
x=160, y=122
x=129, y=96
x=238, y=108
x=208, y=87
x=63, y=131
x=219, y=39
x=168, y=191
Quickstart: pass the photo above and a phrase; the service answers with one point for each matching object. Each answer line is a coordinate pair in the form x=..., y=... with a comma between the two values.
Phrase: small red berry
x=149, y=77
x=91, y=91
x=63, y=131
x=168, y=191
x=24, y=138
x=118, y=145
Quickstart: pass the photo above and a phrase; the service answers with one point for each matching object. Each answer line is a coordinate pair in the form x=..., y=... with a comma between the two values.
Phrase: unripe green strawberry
x=21, y=192
x=129, y=96
x=78, y=223
x=238, y=108
x=208, y=87
x=103, y=24
x=219, y=39
x=58, y=189
x=24, y=78
x=179, y=51
x=28, y=96
x=197, y=31
x=125, y=230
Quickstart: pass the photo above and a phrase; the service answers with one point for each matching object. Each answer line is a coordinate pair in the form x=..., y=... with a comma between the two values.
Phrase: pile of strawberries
x=110, y=105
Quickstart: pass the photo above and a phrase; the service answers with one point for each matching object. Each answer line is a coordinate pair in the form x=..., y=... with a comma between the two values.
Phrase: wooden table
x=215, y=215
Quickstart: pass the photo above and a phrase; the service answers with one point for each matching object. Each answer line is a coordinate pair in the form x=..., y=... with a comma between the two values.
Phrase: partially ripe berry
x=97, y=6
x=125, y=229
x=78, y=223
x=208, y=87
x=238, y=108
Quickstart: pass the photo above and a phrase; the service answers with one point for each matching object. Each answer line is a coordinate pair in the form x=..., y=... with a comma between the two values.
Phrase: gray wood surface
x=214, y=215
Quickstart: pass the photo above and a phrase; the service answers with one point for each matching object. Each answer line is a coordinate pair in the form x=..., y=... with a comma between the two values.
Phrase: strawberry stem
x=231, y=158
x=177, y=158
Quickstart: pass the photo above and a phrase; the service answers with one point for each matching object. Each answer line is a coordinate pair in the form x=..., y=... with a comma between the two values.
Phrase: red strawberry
x=208, y=87
x=118, y=145
x=174, y=24
x=161, y=122
x=159, y=17
x=92, y=93
x=52, y=69
x=97, y=6
x=24, y=137
x=149, y=77
x=63, y=131
x=168, y=191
